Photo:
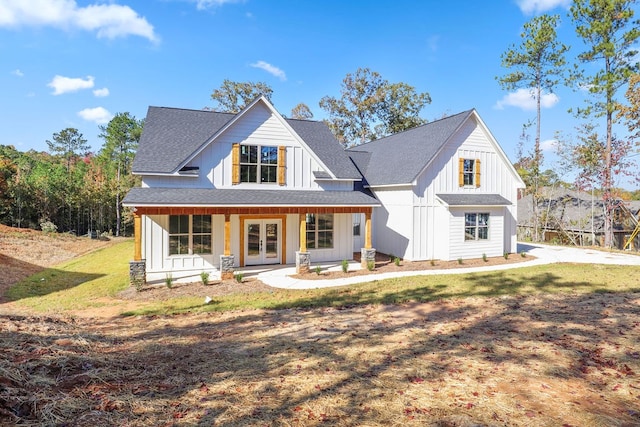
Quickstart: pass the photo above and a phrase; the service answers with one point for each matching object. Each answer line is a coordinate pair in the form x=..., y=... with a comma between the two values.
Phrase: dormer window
x=469, y=173
x=258, y=163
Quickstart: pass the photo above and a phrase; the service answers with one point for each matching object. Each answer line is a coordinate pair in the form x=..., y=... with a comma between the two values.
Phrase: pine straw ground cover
x=563, y=359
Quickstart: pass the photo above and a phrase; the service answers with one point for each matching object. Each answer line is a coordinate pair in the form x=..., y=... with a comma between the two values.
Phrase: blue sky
x=72, y=63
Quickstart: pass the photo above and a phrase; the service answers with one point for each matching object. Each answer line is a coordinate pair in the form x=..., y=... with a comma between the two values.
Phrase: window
x=189, y=234
x=356, y=224
x=476, y=226
x=319, y=231
x=258, y=164
x=469, y=173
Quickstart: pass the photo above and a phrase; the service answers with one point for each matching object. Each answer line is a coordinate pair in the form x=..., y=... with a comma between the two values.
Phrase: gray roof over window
x=399, y=158
x=139, y=196
x=474, y=199
x=171, y=135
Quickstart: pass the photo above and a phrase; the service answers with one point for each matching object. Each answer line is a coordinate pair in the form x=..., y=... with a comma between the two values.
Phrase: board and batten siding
x=421, y=228
x=466, y=249
x=257, y=127
x=392, y=222
x=155, y=235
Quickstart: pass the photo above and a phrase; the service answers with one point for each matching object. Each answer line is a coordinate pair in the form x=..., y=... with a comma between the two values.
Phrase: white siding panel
x=156, y=251
x=466, y=249
x=342, y=242
x=393, y=223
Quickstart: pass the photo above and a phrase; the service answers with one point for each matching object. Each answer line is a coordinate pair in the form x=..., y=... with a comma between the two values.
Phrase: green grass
x=556, y=278
x=90, y=280
x=77, y=284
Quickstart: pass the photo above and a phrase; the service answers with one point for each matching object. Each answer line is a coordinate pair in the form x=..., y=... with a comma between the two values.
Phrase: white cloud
x=107, y=20
x=271, y=69
x=526, y=100
x=538, y=6
x=62, y=84
x=97, y=115
x=101, y=92
x=549, y=145
x=206, y=4
x=18, y=73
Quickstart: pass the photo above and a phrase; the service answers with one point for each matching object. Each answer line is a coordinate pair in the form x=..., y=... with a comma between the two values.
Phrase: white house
x=221, y=191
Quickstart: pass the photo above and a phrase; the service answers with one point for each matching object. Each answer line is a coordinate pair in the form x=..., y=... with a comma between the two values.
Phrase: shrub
x=238, y=277
x=506, y=255
x=523, y=254
x=48, y=227
x=371, y=265
x=484, y=257
x=396, y=261
x=168, y=280
x=318, y=270
x=345, y=266
x=433, y=262
x=460, y=261
x=204, y=277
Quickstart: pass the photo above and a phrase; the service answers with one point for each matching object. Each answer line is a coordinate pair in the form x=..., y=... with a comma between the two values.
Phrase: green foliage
x=231, y=97
x=523, y=254
x=301, y=112
x=69, y=144
x=371, y=265
x=168, y=280
x=318, y=270
x=48, y=227
x=396, y=261
x=506, y=255
x=121, y=136
x=484, y=257
x=371, y=107
x=238, y=277
x=204, y=278
x=537, y=65
x=609, y=33
x=460, y=261
x=345, y=266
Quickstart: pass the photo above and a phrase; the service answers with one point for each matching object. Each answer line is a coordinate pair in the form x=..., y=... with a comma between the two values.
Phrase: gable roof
x=171, y=136
x=400, y=158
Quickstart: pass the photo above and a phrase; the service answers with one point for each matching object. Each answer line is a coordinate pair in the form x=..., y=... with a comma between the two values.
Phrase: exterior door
x=262, y=241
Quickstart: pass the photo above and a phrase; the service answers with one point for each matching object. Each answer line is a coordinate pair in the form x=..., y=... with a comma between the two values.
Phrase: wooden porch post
x=227, y=234
x=367, y=229
x=137, y=237
x=303, y=232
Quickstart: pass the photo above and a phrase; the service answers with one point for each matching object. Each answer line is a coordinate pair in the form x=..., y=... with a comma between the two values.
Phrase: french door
x=262, y=241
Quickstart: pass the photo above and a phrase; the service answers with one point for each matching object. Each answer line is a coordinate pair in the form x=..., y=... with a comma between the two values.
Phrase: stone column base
x=138, y=273
x=227, y=266
x=367, y=255
x=303, y=262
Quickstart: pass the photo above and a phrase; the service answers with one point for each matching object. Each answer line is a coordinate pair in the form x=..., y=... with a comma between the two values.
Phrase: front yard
x=548, y=345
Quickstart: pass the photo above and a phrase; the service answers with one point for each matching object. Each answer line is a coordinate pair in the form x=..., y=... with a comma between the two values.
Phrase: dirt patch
x=214, y=289
x=385, y=264
x=538, y=360
x=24, y=252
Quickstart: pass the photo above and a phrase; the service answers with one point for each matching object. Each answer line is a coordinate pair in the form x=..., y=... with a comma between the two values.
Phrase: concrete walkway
x=544, y=254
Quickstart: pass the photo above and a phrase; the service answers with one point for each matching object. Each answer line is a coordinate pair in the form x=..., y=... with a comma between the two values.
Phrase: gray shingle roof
x=399, y=158
x=139, y=196
x=474, y=199
x=171, y=135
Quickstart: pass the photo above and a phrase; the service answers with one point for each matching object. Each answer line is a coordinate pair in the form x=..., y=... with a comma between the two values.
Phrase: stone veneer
x=367, y=255
x=303, y=262
x=227, y=263
x=138, y=273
